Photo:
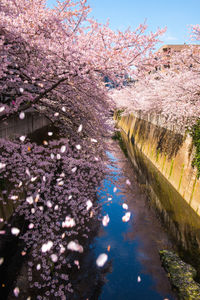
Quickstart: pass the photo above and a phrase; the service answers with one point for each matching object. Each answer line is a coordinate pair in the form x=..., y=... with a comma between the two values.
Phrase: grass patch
x=195, y=133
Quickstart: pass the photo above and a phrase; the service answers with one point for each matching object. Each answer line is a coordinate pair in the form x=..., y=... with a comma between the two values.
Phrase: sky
x=177, y=15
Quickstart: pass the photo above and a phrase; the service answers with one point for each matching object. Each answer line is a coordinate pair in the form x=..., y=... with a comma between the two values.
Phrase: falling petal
x=56, y=114
x=54, y=257
x=14, y=197
x=45, y=143
x=138, y=279
x=74, y=169
x=1, y=260
x=15, y=231
x=50, y=133
x=89, y=204
x=108, y=248
x=70, y=197
x=30, y=226
x=114, y=189
x=52, y=156
x=101, y=260
x=74, y=246
x=16, y=291
x=22, y=115
x=32, y=210
x=47, y=246
x=63, y=149
x=2, y=165
x=78, y=147
x=33, y=178
x=37, y=198
x=28, y=172
x=93, y=140
x=96, y=158
x=22, y=138
x=20, y=184
x=105, y=220
x=29, y=200
x=38, y=267
x=58, y=156
x=49, y=204
x=21, y=90
x=80, y=128
x=128, y=181
x=62, y=249
x=2, y=108
x=56, y=207
x=2, y=232
x=63, y=109
x=109, y=198
x=23, y=253
x=60, y=183
x=44, y=178
x=68, y=223
x=125, y=206
x=76, y=262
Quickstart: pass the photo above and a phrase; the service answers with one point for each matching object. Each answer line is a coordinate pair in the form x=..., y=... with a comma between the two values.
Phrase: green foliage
x=117, y=137
x=181, y=275
x=195, y=133
x=118, y=113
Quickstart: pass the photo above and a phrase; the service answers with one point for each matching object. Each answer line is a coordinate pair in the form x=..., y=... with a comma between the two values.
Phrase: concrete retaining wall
x=170, y=152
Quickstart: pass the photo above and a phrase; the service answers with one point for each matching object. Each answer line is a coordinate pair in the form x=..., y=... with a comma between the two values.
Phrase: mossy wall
x=170, y=152
x=162, y=159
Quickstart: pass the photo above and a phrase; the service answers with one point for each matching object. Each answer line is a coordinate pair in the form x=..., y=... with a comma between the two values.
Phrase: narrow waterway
x=135, y=271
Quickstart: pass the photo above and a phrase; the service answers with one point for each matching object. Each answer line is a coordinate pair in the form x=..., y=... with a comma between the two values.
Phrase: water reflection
x=178, y=218
x=134, y=245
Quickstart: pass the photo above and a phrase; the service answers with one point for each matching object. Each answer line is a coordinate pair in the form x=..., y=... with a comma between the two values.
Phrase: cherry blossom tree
x=55, y=61
x=173, y=91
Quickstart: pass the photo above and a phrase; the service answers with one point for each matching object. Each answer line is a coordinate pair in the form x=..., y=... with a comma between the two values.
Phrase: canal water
x=132, y=247
x=133, y=269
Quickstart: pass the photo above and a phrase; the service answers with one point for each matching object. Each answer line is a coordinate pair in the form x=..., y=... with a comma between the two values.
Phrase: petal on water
x=101, y=260
x=105, y=220
x=125, y=206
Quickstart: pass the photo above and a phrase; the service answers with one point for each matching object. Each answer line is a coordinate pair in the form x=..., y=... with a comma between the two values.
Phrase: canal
x=121, y=253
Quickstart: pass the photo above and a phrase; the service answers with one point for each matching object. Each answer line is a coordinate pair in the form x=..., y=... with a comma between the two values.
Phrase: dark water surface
x=134, y=245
